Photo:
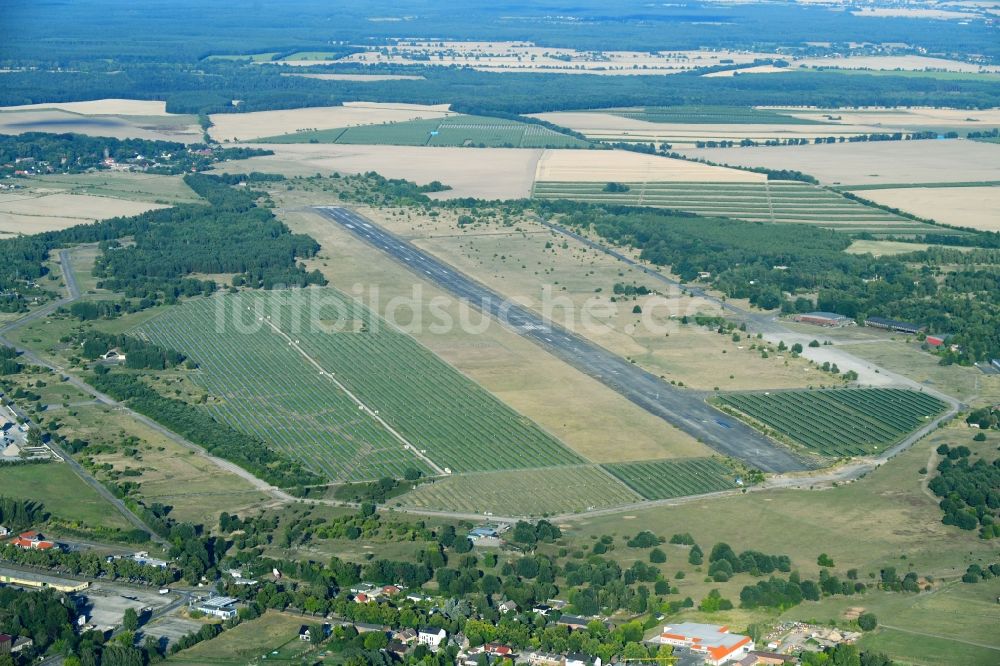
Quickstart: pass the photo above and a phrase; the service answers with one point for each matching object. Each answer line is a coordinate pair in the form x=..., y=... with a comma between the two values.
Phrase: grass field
x=769, y=201
x=523, y=493
x=130, y=186
x=62, y=492
x=452, y=131
x=708, y=115
x=273, y=638
x=929, y=628
x=846, y=422
x=266, y=386
x=663, y=479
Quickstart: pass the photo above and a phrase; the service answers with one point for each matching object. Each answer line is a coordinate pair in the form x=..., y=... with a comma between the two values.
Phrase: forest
x=970, y=491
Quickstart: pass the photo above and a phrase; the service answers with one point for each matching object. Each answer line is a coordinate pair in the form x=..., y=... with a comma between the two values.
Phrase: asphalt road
x=686, y=410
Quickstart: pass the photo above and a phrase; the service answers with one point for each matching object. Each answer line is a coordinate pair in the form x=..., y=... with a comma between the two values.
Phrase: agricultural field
x=256, y=124
x=779, y=202
x=295, y=394
x=118, y=118
x=523, y=493
x=839, y=423
x=622, y=166
x=36, y=212
x=871, y=163
x=666, y=479
x=974, y=207
x=708, y=115
x=475, y=131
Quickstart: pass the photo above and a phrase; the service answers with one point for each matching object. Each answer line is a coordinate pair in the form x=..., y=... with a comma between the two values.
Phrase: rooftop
x=218, y=602
x=704, y=635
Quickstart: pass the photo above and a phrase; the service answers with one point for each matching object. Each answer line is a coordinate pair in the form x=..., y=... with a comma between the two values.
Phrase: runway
x=684, y=409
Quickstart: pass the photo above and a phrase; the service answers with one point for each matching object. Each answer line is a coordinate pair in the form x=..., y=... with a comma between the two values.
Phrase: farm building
x=715, y=642
x=483, y=532
x=32, y=540
x=893, y=325
x=936, y=340
x=221, y=607
x=822, y=319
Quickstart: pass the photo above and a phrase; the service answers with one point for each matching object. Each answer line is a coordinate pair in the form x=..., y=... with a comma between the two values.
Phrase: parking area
x=104, y=604
x=169, y=629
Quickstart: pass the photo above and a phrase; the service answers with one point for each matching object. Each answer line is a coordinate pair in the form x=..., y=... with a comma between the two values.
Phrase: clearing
x=63, y=493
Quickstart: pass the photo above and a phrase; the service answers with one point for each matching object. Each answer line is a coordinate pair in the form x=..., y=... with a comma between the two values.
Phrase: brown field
x=975, y=207
x=359, y=77
x=488, y=173
x=100, y=107
x=46, y=212
x=248, y=126
x=873, y=163
x=120, y=119
x=907, y=62
x=594, y=166
x=590, y=418
x=891, y=119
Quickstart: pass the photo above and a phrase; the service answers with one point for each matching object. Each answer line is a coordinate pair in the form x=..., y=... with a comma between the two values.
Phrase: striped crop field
x=677, y=477
x=476, y=131
x=839, y=422
x=348, y=396
x=532, y=492
x=767, y=201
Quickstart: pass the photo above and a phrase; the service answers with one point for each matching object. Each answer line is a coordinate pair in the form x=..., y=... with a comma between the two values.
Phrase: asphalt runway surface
x=684, y=409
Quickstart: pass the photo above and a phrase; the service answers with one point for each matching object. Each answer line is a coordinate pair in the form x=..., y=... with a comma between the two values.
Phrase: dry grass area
x=587, y=416
x=57, y=210
x=974, y=207
x=488, y=173
x=257, y=124
x=528, y=57
x=100, y=107
x=566, y=281
x=873, y=163
x=884, y=248
x=890, y=119
x=594, y=166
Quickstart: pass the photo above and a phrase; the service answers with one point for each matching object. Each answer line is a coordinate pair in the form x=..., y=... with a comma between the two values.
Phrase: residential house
x=772, y=658
x=362, y=598
x=391, y=590
x=431, y=637
x=32, y=540
x=498, y=650
x=21, y=643
x=305, y=634
x=541, y=609
x=417, y=597
x=507, y=607
x=405, y=636
x=577, y=659
x=546, y=659
x=4, y=531
x=397, y=648
x=484, y=532
x=573, y=621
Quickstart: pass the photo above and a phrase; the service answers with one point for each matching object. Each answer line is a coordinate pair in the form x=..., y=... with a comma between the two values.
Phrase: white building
x=431, y=637
x=221, y=607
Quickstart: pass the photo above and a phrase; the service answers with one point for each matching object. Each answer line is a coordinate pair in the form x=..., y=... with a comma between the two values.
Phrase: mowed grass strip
x=453, y=131
x=774, y=201
x=839, y=422
x=532, y=492
x=680, y=477
x=265, y=386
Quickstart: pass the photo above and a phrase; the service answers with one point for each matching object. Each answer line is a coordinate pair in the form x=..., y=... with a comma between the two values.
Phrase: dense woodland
x=969, y=491
x=948, y=291
x=41, y=153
